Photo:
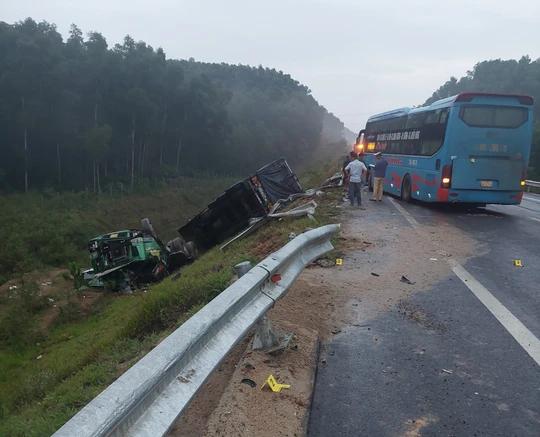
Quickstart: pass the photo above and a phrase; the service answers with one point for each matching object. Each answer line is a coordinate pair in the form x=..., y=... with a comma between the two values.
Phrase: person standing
x=355, y=169
x=348, y=159
x=378, y=176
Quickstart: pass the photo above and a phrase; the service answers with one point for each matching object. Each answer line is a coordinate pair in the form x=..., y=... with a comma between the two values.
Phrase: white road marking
x=531, y=199
x=527, y=340
x=534, y=218
x=405, y=213
x=511, y=323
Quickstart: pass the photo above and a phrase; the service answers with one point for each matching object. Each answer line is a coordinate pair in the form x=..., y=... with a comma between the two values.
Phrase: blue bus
x=470, y=148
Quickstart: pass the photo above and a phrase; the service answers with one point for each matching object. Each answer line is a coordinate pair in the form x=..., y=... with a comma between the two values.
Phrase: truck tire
x=176, y=245
x=191, y=250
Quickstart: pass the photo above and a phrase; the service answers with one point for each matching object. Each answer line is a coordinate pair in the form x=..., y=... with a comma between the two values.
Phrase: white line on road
x=534, y=218
x=405, y=213
x=512, y=324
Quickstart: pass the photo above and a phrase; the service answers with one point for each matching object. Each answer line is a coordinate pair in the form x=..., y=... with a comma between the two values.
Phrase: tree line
x=502, y=76
x=77, y=115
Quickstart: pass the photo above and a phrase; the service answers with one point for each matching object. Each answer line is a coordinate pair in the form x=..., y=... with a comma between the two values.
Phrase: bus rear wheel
x=406, y=189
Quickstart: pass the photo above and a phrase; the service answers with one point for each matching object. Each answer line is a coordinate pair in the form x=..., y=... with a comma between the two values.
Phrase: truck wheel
x=191, y=250
x=176, y=245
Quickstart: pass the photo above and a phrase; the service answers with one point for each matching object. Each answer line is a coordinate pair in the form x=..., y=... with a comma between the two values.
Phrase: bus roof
x=390, y=114
x=448, y=101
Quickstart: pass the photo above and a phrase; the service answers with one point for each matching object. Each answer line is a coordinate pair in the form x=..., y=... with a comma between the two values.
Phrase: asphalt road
x=460, y=371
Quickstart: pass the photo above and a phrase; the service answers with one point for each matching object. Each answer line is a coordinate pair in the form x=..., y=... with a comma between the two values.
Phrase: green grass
x=79, y=358
x=42, y=230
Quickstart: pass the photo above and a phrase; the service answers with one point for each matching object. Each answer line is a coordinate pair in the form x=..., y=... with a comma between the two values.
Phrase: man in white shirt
x=356, y=170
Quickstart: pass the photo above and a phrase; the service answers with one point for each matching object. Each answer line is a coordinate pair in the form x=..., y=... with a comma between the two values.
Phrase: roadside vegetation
x=47, y=229
x=59, y=350
x=78, y=114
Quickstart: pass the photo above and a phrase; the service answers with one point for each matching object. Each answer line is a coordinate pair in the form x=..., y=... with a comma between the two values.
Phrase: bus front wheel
x=406, y=189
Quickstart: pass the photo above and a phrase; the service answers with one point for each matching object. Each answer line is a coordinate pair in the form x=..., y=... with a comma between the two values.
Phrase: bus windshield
x=509, y=117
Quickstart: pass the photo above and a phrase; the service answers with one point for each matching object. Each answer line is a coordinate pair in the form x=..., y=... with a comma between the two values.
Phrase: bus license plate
x=486, y=184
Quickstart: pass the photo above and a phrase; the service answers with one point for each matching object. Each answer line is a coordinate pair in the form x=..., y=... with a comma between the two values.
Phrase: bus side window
x=416, y=121
x=433, y=132
x=444, y=116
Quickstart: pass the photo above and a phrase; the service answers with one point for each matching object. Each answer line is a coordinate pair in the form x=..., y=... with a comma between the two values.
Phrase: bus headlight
x=522, y=183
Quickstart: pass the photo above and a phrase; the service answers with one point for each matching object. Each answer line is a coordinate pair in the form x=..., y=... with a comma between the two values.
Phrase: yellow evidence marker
x=339, y=261
x=518, y=263
x=274, y=385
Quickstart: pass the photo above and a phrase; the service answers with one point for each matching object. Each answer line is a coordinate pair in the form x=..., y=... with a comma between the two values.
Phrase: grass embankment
x=46, y=381
x=40, y=230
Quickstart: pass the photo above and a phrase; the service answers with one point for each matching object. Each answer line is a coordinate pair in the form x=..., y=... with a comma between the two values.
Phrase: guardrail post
x=265, y=337
x=242, y=268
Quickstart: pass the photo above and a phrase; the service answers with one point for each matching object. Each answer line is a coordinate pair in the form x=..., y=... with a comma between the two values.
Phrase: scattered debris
x=12, y=287
x=406, y=280
x=433, y=259
x=336, y=331
x=292, y=236
x=249, y=382
x=283, y=343
x=249, y=366
x=301, y=210
x=274, y=385
x=447, y=371
x=333, y=181
x=323, y=262
x=339, y=261
x=39, y=357
x=375, y=274
x=518, y=263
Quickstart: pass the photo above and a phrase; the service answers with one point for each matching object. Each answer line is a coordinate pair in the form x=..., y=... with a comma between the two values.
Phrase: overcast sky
x=358, y=57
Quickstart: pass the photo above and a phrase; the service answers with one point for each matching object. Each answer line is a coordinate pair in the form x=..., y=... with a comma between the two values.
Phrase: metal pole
x=265, y=337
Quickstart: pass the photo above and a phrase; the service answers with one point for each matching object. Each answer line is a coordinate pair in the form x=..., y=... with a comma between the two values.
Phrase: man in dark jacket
x=379, y=173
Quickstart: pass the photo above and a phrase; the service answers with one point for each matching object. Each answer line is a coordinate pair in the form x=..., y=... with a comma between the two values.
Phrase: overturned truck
x=248, y=199
x=122, y=260
x=125, y=259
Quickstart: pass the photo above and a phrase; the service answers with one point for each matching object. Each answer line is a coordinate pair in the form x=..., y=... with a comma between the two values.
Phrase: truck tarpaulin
x=278, y=180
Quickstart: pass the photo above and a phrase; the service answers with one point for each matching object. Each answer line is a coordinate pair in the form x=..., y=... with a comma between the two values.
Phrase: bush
x=18, y=325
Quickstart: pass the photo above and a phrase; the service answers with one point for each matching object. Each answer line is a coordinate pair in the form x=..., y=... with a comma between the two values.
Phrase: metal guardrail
x=149, y=397
x=533, y=184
